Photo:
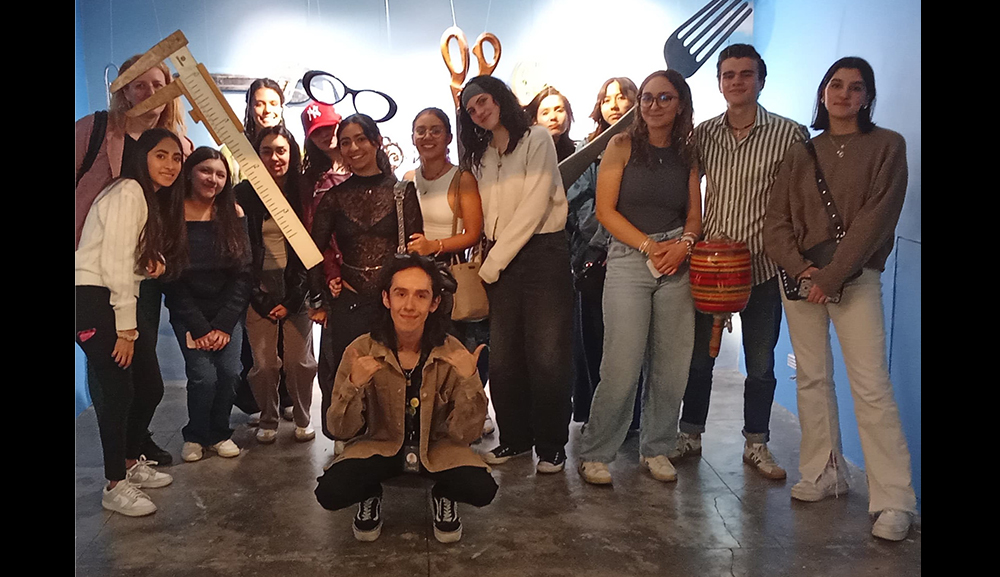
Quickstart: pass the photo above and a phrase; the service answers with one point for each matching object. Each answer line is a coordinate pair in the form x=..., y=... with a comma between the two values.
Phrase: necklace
x=841, y=147
x=445, y=168
x=739, y=130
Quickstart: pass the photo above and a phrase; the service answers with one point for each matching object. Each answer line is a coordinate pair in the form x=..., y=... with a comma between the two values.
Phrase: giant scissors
x=485, y=67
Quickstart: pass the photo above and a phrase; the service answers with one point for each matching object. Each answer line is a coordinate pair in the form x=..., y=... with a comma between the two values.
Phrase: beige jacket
x=452, y=407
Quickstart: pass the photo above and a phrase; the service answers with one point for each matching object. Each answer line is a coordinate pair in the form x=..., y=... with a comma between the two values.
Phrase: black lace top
x=361, y=213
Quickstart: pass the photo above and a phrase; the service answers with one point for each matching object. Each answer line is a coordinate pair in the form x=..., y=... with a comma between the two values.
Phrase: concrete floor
x=256, y=514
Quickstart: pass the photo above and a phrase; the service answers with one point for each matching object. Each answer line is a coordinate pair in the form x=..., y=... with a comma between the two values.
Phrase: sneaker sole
x=447, y=536
x=128, y=512
x=305, y=438
x=267, y=441
x=154, y=484
x=491, y=460
x=776, y=476
x=227, y=454
x=367, y=536
x=548, y=468
x=889, y=535
x=191, y=458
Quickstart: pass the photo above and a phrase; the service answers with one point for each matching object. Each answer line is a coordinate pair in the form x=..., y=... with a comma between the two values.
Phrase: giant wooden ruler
x=211, y=109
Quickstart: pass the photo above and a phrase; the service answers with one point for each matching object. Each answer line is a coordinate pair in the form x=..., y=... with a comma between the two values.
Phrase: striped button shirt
x=739, y=178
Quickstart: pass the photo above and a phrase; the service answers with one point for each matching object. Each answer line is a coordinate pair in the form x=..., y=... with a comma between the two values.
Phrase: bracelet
x=440, y=247
x=127, y=337
x=690, y=235
x=644, y=247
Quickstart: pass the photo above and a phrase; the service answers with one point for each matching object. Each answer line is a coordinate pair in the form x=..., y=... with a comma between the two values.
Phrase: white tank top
x=433, y=198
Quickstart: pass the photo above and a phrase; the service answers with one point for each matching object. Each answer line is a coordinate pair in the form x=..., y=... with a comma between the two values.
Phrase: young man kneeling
x=407, y=398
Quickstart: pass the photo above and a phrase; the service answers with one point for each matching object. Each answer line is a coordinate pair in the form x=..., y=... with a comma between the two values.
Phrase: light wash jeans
x=858, y=319
x=646, y=320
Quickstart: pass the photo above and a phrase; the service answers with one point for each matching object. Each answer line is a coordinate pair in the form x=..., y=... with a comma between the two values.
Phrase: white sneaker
x=288, y=413
x=488, y=426
x=192, y=452
x=143, y=476
x=303, y=434
x=226, y=448
x=659, y=467
x=127, y=499
x=595, y=473
x=829, y=484
x=254, y=419
x=892, y=525
x=338, y=448
x=267, y=436
x=688, y=444
x=757, y=455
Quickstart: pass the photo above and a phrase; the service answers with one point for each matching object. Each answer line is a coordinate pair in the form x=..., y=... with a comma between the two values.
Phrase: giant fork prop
x=211, y=109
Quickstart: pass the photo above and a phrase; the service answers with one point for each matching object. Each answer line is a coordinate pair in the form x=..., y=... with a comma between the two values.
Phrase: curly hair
x=473, y=140
x=682, y=132
x=436, y=327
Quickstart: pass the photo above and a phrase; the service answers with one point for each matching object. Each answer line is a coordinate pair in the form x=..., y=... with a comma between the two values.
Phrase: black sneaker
x=368, y=521
x=504, y=453
x=447, y=524
x=551, y=463
x=155, y=453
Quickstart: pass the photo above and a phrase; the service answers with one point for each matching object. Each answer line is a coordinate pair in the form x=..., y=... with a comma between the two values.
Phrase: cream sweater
x=106, y=255
x=522, y=195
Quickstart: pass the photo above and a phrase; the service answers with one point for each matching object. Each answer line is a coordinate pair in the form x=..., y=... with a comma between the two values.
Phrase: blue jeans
x=761, y=322
x=646, y=321
x=211, y=387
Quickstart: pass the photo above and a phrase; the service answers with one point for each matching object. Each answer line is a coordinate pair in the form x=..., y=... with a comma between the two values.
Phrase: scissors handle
x=457, y=76
x=477, y=49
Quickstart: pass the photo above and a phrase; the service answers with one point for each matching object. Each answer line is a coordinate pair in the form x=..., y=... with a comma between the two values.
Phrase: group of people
x=588, y=286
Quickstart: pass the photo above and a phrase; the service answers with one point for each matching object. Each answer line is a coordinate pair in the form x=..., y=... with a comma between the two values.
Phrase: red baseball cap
x=317, y=115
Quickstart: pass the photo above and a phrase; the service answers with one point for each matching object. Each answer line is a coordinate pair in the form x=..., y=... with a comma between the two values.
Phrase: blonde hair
x=172, y=117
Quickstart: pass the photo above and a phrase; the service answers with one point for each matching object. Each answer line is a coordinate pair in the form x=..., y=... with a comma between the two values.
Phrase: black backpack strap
x=96, y=137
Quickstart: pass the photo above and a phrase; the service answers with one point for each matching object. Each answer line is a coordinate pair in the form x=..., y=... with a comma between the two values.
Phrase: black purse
x=821, y=254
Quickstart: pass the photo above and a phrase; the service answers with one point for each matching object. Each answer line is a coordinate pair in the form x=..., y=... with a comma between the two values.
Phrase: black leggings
x=354, y=480
x=124, y=399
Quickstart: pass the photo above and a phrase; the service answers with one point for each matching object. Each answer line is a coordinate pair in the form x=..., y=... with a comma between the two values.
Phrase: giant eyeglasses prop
x=326, y=88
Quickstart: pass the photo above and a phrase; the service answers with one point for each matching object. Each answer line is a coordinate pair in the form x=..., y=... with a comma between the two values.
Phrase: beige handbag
x=471, y=303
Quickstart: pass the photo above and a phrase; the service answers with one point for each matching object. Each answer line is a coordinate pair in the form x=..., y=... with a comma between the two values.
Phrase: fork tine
x=722, y=13
x=710, y=6
x=727, y=33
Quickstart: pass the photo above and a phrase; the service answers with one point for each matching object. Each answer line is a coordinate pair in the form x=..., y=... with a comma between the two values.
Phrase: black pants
x=350, y=317
x=531, y=322
x=124, y=399
x=354, y=480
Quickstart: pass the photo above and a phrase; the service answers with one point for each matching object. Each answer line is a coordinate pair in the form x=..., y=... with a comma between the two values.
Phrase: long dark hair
x=564, y=144
x=821, y=117
x=293, y=178
x=475, y=139
x=249, y=124
x=626, y=87
x=230, y=238
x=681, y=135
x=153, y=240
x=436, y=327
x=370, y=129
